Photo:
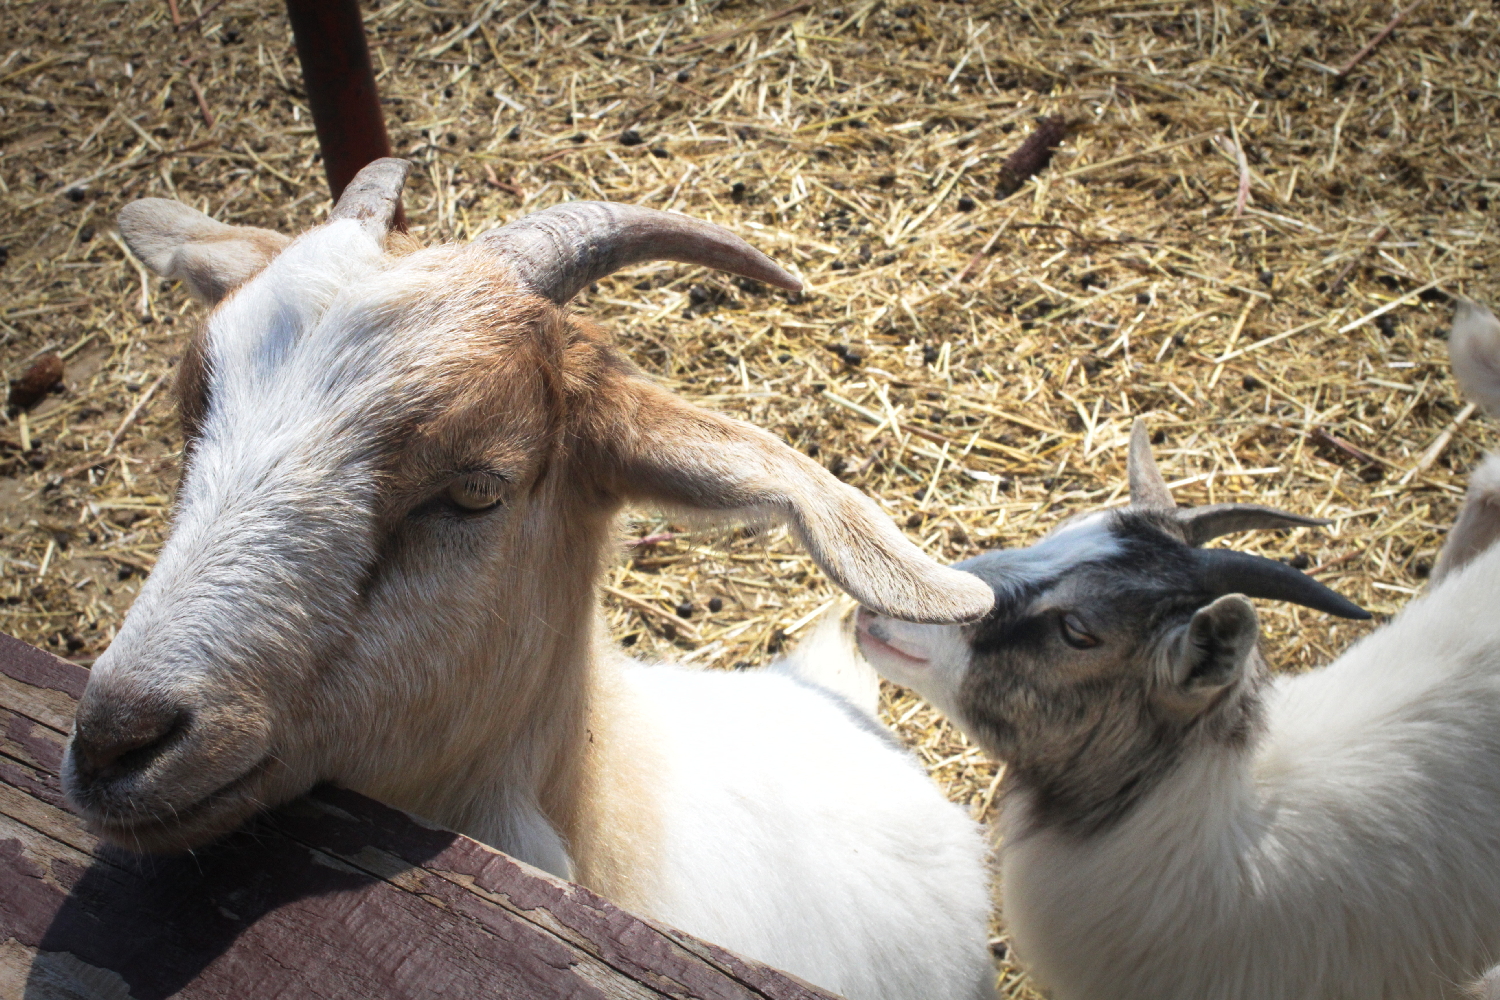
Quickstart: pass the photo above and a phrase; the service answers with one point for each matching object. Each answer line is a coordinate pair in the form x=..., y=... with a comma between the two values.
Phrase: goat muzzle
x=154, y=770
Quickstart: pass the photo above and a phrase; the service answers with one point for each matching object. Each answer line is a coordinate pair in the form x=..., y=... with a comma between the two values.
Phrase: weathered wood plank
x=332, y=896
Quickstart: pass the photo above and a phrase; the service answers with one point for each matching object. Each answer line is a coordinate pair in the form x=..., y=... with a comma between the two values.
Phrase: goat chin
x=1350, y=853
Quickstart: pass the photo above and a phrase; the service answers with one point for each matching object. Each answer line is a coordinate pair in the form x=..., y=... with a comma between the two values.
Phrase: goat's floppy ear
x=1478, y=524
x=1212, y=651
x=212, y=259
x=669, y=452
x=1474, y=347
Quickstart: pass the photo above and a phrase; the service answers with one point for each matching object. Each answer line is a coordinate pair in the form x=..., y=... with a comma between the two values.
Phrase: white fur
x=738, y=805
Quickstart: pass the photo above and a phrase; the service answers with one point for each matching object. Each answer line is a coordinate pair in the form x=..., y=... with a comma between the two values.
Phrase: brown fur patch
x=190, y=386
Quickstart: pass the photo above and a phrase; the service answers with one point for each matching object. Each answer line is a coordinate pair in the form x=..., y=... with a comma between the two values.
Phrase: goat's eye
x=476, y=491
x=1074, y=634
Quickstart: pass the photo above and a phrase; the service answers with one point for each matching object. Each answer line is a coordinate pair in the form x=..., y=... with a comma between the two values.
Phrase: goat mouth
x=870, y=641
x=188, y=826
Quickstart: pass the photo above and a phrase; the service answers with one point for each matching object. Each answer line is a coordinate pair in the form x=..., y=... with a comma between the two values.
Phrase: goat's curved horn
x=1147, y=488
x=373, y=196
x=1225, y=571
x=1202, y=524
x=562, y=249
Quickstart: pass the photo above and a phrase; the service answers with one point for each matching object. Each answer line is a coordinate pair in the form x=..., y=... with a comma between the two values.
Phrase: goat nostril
x=121, y=746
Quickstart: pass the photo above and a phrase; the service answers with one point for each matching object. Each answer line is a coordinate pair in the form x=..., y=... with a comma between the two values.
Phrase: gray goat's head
x=1113, y=642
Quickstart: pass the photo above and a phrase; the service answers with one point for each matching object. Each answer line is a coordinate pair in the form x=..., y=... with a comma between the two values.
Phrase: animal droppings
x=1033, y=156
x=36, y=382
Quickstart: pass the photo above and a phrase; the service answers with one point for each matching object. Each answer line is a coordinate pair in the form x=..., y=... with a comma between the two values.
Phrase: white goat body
x=788, y=829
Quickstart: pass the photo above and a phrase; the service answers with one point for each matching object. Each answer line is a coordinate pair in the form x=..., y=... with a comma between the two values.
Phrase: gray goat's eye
x=476, y=490
x=1074, y=634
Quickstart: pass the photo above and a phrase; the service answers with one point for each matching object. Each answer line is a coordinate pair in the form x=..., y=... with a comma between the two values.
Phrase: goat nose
x=113, y=741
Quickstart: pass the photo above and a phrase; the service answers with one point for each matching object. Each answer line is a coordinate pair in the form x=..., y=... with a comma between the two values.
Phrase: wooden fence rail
x=332, y=896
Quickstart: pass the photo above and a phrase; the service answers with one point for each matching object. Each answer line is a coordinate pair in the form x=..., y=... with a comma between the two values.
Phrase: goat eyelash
x=1074, y=634
x=476, y=492
x=486, y=490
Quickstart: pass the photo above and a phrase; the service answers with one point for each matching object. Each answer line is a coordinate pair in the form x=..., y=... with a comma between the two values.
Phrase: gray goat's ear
x=1212, y=652
x=211, y=258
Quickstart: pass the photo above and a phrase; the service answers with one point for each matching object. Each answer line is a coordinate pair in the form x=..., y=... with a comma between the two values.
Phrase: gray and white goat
x=1177, y=822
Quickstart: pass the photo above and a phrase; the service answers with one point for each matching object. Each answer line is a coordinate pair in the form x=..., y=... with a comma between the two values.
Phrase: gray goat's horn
x=1148, y=491
x=1147, y=488
x=1225, y=571
x=373, y=196
x=562, y=249
x=1203, y=524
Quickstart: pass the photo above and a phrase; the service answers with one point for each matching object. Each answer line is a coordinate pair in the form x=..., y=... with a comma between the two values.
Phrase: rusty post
x=340, y=88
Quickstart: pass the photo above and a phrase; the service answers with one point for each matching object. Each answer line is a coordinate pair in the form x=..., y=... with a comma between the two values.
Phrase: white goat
x=402, y=473
x=1474, y=345
x=1178, y=824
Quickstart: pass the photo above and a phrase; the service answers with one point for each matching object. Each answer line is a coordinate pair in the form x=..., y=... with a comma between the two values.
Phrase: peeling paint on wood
x=334, y=895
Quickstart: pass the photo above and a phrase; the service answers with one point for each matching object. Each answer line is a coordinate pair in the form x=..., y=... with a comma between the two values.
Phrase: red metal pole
x=340, y=88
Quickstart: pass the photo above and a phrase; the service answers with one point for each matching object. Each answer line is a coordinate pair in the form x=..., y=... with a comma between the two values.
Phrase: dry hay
x=972, y=360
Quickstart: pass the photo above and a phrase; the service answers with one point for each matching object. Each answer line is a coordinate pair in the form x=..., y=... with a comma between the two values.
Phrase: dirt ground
x=1235, y=240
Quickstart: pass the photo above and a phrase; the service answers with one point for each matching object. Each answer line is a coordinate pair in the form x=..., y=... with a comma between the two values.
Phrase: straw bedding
x=1232, y=238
